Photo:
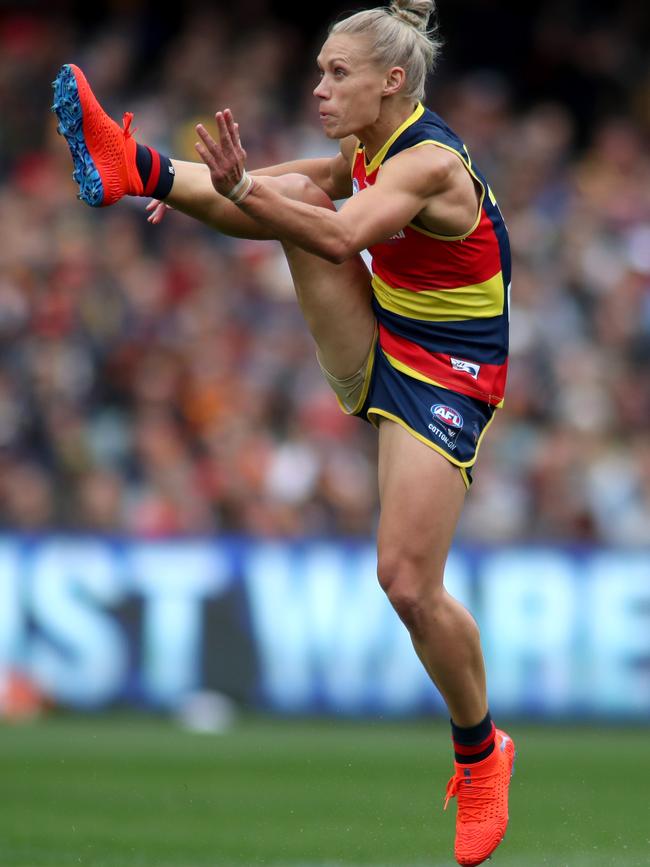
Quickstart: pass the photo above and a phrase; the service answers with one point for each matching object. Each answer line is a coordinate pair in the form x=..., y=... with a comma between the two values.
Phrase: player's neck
x=392, y=116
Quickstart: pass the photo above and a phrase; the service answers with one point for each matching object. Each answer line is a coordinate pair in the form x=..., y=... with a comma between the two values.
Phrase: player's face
x=350, y=87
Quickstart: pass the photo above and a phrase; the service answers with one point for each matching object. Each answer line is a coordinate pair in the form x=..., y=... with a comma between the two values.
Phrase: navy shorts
x=451, y=423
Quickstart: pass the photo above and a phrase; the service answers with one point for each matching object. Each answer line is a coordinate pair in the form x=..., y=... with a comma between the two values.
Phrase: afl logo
x=447, y=415
x=355, y=186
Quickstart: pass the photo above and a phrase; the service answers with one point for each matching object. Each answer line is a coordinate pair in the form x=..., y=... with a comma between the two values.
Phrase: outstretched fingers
x=225, y=159
x=157, y=210
x=207, y=148
x=233, y=135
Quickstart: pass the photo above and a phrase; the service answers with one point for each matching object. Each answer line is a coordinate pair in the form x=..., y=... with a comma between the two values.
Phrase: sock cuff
x=473, y=734
x=462, y=749
x=475, y=743
x=156, y=172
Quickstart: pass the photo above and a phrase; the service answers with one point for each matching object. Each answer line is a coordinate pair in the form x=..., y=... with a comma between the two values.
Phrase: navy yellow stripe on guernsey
x=442, y=301
x=483, y=299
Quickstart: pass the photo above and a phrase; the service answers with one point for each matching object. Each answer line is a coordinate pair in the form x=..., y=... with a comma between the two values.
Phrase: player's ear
x=395, y=78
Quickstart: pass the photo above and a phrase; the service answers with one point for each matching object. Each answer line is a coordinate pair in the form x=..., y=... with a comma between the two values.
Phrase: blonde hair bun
x=414, y=12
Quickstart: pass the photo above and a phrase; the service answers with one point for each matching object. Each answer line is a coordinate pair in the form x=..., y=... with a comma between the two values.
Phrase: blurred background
x=187, y=518
x=160, y=380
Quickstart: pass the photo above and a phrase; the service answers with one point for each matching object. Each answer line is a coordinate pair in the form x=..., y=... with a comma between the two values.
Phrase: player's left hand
x=157, y=211
x=225, y=159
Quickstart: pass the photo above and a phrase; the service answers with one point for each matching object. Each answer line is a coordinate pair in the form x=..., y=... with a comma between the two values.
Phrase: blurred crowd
x=160, y=380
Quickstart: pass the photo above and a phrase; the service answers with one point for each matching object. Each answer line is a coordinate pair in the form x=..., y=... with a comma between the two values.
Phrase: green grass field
x=136, y=792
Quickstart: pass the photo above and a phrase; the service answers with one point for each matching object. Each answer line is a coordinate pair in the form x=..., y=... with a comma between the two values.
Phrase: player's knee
x=409, y=589
x=303, y=189
x=408, y=607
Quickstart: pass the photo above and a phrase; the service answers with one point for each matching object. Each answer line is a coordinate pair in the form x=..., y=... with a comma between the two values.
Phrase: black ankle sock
x=473, y=744
x=156, y=172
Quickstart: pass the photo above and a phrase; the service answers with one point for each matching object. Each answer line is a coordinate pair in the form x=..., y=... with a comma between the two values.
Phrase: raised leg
x=194, y=195
x=335, y=299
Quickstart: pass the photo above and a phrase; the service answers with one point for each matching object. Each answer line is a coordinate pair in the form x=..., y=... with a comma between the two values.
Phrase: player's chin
x=328, y=125
x=335, y=130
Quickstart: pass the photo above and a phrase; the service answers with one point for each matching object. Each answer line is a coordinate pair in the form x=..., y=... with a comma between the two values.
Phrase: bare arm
x=405, y=187
x=331, y=174
x=402, y=191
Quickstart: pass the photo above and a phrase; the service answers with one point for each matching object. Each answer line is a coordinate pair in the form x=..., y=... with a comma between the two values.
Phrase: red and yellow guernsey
x=442, y=302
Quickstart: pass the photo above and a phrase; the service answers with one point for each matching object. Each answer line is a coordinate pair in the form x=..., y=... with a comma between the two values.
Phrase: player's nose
x=321, y=90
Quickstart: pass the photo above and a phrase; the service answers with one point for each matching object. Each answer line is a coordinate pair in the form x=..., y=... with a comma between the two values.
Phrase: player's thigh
x=336, y=302
x=421, y=498
x=336, y=299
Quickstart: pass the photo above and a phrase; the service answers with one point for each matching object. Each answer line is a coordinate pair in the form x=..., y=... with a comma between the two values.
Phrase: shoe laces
x=474, y=796
x=127, y=119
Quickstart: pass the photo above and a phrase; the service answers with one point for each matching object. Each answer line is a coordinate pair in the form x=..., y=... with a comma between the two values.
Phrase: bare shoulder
x=438, y=185
x=426, y=166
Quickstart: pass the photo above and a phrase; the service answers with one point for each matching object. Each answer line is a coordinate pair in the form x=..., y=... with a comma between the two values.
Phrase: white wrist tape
x=241, y=189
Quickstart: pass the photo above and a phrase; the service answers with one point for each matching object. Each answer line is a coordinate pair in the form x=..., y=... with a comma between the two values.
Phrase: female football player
x=417, y=346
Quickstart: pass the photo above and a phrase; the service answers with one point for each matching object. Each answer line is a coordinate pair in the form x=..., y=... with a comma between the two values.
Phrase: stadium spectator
x=123, y=347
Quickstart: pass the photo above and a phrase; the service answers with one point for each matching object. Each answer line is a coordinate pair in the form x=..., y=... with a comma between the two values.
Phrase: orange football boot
x=482, y=793
x=103, y=154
